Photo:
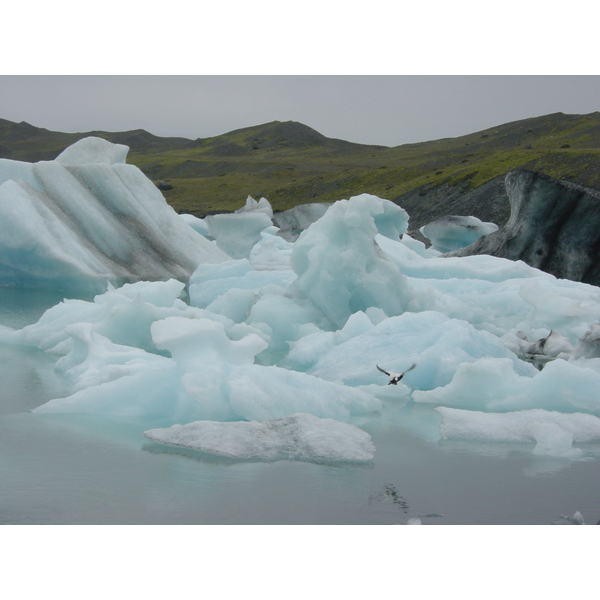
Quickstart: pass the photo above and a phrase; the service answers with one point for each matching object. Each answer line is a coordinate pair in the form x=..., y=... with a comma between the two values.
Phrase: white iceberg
x=208, y=372
x=454, y=232
x=440, y=346
x=299, y=327
x=86, y=219
x=236, y=233
x=492, y=384
x=294, y=221
x=294, y=437
x=576, y=519
x=340, y=267
x=552, y=432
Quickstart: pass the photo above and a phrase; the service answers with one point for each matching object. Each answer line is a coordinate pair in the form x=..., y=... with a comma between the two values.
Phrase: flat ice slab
x=299, y=436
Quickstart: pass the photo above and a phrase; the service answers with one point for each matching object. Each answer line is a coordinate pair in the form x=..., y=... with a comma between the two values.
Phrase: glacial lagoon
x=68, y=470
x=224, y=321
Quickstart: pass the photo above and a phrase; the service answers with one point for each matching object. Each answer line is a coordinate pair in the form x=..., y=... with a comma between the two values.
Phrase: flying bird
x=396, y=377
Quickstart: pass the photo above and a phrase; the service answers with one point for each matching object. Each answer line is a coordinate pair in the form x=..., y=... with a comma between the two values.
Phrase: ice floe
x=294, y=437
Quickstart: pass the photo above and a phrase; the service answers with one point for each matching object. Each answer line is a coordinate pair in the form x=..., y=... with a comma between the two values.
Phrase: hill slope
x=290, y=163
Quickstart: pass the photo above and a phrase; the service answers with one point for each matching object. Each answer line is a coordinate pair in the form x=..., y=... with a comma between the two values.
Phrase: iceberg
x=294, y=221
x=253, y=327
x=439, y=345
x=237, y=233
x=493, y=385
x=552, y=432
x=206, y=370
x=295, y=437
x=455, y=232
x=341, y=268
x=576, y=519
x=88, y=218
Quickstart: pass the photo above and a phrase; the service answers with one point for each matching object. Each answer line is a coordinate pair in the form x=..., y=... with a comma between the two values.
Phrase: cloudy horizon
x=386, y=110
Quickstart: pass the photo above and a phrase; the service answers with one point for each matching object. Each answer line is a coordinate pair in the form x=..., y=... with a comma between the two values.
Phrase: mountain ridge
x=290, y=163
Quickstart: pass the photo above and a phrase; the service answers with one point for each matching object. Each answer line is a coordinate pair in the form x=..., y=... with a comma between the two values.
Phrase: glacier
x=218, y=326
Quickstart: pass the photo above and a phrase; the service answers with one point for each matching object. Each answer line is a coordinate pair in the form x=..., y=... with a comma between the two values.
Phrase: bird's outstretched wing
x=384, y=371
x=410, y=369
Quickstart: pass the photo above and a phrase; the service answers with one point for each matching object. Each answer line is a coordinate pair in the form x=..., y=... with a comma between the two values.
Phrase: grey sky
x=386, y=110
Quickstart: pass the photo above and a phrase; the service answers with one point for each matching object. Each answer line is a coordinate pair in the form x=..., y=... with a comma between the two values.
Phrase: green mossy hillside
x=290, y=163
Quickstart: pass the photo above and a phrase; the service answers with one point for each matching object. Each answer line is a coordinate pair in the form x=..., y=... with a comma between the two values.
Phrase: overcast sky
x=386, y=110
x=376, y=73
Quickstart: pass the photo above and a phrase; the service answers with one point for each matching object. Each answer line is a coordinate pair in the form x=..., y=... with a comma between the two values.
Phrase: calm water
x=67, y=471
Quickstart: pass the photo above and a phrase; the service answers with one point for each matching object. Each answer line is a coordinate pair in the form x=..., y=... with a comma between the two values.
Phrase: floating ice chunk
x=414, y=263
x=114, y=381
x=119, y=381
x=283, y=319
x=123, y=315
x=220, y=371
x=492, y=384
x=542, y=351
x=204, y=341
x=271, y=252
x=576, y=519
x=237, y=233
x=341, y=268
x=552, y=431
x=414, y=521
x=146, y=393
x=294, y=221
x=19, y=172
x=561, y=304
x=195, y=223
x=589, y=343
x=263, y=206
x=210, y=375
x=90, y=219
x=439, y=345
x=294, y=437
x=93, y=150
x=454, y=232
x=261, y=392
x=553, y=440
x=94, y=359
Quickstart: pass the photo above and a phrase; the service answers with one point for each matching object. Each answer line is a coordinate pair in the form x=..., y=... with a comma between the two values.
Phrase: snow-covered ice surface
x=295, y=437
x=505, y=390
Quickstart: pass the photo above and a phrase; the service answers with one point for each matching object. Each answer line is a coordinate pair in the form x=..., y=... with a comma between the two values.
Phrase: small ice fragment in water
x=576, y=519
x=295, y=437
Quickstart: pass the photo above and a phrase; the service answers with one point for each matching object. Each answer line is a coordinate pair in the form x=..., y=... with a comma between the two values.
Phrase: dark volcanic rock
x=488, y=202
x=554, y=226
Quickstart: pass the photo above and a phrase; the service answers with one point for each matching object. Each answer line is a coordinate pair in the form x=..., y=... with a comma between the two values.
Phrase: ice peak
x=93, y=150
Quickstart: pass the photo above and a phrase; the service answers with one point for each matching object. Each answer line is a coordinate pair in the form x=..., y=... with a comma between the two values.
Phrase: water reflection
x=28, y=379
x=389, y=492
x=214, y=459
